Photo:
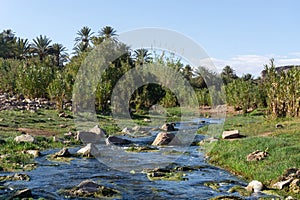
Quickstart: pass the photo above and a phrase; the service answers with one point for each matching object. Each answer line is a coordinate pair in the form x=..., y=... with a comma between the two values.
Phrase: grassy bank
x=261, y=133
x=44, y=124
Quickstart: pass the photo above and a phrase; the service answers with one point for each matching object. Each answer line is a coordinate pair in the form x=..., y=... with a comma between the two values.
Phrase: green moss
x=60, y=159
x=213, y=185
x=167, y=176
x=142, y=149
x=241, y=190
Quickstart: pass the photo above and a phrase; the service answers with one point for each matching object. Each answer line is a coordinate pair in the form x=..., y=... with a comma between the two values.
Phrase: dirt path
x=37, y=132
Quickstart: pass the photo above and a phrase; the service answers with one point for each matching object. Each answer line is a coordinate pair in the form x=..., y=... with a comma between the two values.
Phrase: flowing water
x=50, y=177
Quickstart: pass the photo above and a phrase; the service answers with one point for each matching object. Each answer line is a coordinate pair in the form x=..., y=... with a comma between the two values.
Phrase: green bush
x=9, y=69
x=33, y=80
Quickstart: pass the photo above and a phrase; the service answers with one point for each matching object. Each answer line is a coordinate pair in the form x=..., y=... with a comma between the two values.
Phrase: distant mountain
x=280, y=69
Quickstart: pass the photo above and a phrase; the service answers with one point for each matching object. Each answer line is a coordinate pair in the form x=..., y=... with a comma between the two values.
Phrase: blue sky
x=242, y=34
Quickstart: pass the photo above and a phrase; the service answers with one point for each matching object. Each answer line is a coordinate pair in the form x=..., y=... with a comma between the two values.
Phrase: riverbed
x=116, y=168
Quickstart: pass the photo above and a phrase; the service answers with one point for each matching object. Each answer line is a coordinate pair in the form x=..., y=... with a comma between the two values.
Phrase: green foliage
x=58, y=89
x=243, y=94
x=32, y=69
x=169, y=100
x=203, y=97
x=9, y=70
x=33, y=80
x=283, y=91
x=228, y=75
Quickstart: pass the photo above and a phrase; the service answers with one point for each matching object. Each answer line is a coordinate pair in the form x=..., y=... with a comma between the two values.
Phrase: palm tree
x=8, y=35
x=228, y=74
x=108, y=32
x=79, y=48
x=84, y=37
x=247, y=77
x=142, y=56
x=59, y=53
x=7, y=44
x=97, y=40
x=41, y=46
x=23, y=48
x=188, y=72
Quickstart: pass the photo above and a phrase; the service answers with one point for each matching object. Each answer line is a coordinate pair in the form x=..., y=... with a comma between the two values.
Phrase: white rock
x=147, y=120
x=231, y=134
x=87, y=150
x=281, y=184
x=35, y=153
x=126, y=130
x=255, y=186
x=25, y=138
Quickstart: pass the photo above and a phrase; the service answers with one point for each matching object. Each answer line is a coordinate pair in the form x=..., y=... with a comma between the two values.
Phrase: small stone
x=164, y=138
x=88, y=186
x=279, y=185
x=231, y=134
x=254, y=186
x=257, y=155
x=69, y=134
x=35, y=153
x=113, y=140
x=168, y=127
x=63, y=153
x=126, y=130
x=279, y=126
x=25, y=138
x=290, y=198
x=20, y=177
x=147, y=120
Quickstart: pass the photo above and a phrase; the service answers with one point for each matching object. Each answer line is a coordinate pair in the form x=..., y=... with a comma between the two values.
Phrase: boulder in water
x=94, y=135
x=168, y=127
x=62, y=153
x=164, y=138
x=89, y=188
x=87, y=151
x=113, y=140
x=254, y=186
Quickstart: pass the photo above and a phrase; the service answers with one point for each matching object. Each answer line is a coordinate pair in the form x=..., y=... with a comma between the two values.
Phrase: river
x=127, y=177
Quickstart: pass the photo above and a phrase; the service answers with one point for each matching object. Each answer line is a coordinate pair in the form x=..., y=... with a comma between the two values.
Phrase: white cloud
x=254, y=64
